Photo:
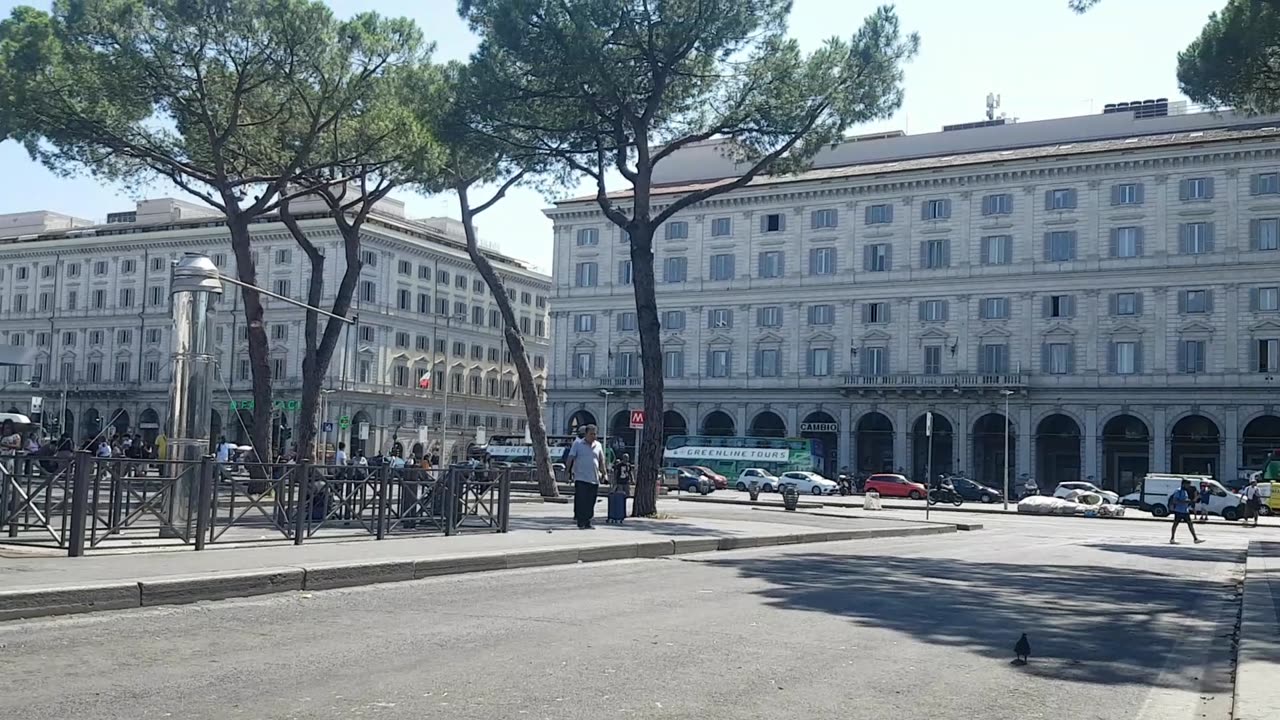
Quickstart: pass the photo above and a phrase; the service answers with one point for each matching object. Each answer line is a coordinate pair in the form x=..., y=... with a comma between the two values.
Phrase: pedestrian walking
x=586, y=465
x=1202, y=503
x=1252, y=502
x=1180, y=502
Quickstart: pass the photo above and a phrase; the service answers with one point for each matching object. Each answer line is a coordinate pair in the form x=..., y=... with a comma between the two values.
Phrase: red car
x=889, y=485
x=721, y=482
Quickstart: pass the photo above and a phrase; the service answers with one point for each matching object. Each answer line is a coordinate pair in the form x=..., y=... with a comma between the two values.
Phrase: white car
x=1066, y=488
x=766, y=480
x=808, y=482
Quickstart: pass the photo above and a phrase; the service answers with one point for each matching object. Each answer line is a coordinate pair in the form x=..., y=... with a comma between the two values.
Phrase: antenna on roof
x=993, y=104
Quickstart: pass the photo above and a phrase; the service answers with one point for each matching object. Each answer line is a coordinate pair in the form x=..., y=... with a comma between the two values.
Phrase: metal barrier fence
x=78, y=502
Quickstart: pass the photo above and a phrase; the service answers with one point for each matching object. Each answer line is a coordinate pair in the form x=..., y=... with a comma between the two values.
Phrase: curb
x=757, y=503
x=1256, y=695
x=175, y=590
x=965, y=526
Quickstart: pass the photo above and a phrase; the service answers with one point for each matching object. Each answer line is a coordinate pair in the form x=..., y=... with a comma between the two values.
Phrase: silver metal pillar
x=192, y=288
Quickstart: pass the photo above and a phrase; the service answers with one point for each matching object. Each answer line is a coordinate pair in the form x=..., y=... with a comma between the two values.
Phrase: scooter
x=945, y=494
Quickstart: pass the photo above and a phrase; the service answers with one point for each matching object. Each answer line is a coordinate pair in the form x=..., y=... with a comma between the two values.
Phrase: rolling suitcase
x=617, y=508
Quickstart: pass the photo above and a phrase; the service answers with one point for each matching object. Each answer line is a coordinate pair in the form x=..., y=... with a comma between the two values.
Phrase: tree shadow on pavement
x=1187, y=552
x=1086, y=624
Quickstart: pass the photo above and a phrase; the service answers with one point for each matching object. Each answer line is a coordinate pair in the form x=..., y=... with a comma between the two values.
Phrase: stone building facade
x=91, y=302
x=1102, y=295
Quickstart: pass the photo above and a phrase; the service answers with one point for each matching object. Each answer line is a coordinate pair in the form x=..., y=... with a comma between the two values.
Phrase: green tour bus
x=730, y=455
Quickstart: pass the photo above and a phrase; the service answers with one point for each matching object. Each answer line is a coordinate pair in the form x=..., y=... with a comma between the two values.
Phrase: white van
x=1157, y=487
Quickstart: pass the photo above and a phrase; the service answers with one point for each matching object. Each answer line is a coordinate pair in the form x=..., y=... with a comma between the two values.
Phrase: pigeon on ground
x=1022, y=649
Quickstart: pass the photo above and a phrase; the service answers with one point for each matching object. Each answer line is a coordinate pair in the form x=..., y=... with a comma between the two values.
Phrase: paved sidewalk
x=1257, y=695
x=541, y=535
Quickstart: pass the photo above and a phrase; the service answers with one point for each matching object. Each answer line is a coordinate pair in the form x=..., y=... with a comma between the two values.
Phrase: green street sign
x=289, y=405
x=344, y=422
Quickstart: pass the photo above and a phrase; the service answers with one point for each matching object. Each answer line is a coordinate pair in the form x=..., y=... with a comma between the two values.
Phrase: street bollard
x=790, y=498
x=302, y=510
x=79, y=503
x=753, y=489
x=205, y=492
x=504, y=501
x=383, y=488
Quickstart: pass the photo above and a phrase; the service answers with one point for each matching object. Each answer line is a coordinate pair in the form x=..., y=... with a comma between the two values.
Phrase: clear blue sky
x=1042, y=59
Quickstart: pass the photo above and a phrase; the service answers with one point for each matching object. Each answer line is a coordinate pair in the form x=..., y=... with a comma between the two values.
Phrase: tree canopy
x=619, y=86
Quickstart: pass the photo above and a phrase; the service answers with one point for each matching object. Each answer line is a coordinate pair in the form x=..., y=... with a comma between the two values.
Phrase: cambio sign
x=730, y=453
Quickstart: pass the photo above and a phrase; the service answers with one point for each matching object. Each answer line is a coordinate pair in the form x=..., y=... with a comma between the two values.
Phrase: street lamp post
x=606, y=394
x=1006, y=394
x=448, y=379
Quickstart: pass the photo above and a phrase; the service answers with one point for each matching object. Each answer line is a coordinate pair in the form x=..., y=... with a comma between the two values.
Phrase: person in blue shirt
x=1180, y=505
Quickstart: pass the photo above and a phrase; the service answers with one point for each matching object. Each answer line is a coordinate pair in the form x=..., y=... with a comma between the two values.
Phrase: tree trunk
x=318, y=348
x=515, y=343
x=259, y=350
x=649, y=454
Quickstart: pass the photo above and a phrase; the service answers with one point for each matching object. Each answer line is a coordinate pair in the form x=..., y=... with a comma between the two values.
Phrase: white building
x=91, y=301
x=1118, y=275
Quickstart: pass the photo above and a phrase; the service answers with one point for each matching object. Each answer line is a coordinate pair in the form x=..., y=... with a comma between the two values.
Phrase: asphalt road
x=1122, y=626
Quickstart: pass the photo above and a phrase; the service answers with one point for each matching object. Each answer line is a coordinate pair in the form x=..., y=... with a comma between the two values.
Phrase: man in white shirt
x=586, y=465
x=340, y=457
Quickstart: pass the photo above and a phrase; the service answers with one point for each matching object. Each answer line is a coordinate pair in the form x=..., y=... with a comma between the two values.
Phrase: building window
x=1265, y=184
x=626, y=365
x=933, y=360
x=73, y=270
x=677, y=230
x=875, y=361
x=718, y=363
x=424, y=272
x=1059, y=306
x=1126, y=242
x=879, y=214
x=825, y=218
x=1264, y=234
x=722, y=266
x=495, y=318
x=935, y=254
x=1266, y=299
x=673, y=320
x=402, y=339
x=404, y=299
x=769, y=316
x=1124, y=358
x=1267, y=356
x=822, y=314
x=772, y=222
x=1126, y=303
x=460, y=282
x=933, y=310
x=1060, y=199
x=998, y=204
x=68, y=372
x=366, y=333
x=72, y=299
x=822, y=261
x=672, y=364
x=719, y=318
x=993, y=358
x=875, y=312
x=819, y=362
x=768, y=363
x=278, y=367
x=99, y=268
x=424, y=303
x=126, y=297
x=127, y=267
x=155, y=296
x=1194, y=301
x=151, y=371
x=877, y=257
x=624, y=272
x=586, y=275
x=1060, y=246
x=1200, y=188
x=1195, y=238
x=153, y=336
x=1126, y=194
x=584, y=322
x=721, y=227
x=93, y=371
x=95, y=337
x=583, y=363
x=368, y=291
x=997, y=250
x=99, y=299
x=771, y=264
x=1058, y=358
x=1191, y=356
x=675, y=269
x=588, y=236
x=442, y=277
x=627, y=321
x=368, y=258
x=42, y=339
x=935, y=209
x=43, y=301
x=283, y=256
